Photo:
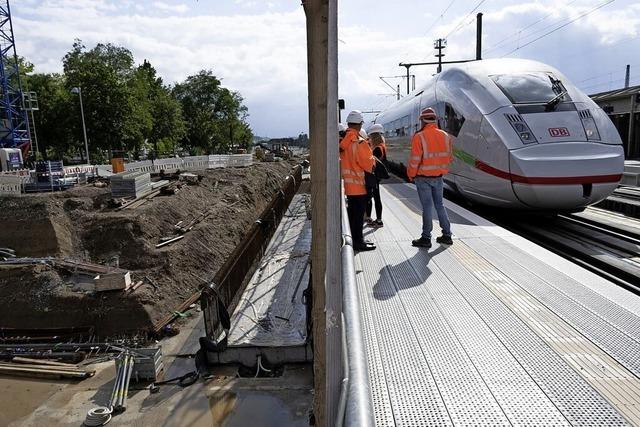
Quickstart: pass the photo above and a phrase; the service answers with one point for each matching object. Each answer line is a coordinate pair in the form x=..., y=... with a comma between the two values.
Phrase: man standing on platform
x=430, y=158
x=356, y=157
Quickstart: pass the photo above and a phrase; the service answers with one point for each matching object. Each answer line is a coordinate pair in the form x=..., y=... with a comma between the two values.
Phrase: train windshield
x=531, y=88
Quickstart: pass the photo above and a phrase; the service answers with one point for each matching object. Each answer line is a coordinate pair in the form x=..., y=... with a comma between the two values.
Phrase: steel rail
x=592, y=254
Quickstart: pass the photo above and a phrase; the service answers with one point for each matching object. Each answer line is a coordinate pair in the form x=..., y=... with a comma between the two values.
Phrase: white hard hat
x=363, y=134
x=355, y=117
x=341, y=127
x=376, y=128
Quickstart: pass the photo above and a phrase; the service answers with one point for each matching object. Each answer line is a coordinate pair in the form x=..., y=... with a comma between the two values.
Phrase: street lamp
x=78, y=90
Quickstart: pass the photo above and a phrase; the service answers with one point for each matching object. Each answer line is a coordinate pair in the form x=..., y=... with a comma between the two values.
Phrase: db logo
x=555, y=132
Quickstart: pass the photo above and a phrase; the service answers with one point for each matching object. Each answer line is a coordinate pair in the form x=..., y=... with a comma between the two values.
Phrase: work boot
x=444, y=240
x=421, y=242
x=364, y=246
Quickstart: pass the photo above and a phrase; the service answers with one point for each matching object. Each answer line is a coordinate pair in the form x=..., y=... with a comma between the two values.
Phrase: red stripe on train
x=547, y=180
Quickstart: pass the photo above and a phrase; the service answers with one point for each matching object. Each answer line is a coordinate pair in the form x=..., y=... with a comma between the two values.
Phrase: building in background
x=623, y=108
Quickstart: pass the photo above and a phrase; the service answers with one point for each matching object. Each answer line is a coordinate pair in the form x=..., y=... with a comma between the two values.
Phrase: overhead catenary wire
x=515, y=33
x=461, y=23
x=439, y=17
x=603, y=74
x=582, y=15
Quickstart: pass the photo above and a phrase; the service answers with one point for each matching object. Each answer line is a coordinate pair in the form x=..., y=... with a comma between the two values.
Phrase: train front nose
x=567, y=175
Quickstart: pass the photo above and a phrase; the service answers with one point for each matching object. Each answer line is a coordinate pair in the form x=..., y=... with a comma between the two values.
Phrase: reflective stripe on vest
x=433, y=163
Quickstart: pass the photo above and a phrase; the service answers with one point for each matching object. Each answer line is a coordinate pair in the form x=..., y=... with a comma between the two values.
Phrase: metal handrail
x=358, y=410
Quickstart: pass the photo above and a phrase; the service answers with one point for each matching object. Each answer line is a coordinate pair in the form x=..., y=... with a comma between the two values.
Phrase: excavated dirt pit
x=80, y=224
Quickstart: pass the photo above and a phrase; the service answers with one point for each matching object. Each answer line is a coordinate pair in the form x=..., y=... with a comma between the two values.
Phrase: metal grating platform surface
x=492, y=330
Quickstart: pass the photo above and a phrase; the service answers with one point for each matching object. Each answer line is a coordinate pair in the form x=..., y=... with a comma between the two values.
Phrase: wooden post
x=322, y=55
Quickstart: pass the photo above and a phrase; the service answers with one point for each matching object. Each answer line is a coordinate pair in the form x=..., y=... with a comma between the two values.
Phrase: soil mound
x=80, y=224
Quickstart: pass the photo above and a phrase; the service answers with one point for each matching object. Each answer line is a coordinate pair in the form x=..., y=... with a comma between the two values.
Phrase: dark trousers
x=356, y=206
x=375, y=195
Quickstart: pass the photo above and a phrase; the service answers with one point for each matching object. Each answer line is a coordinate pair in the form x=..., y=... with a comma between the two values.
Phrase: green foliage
x=215, y=116
x=128, y=108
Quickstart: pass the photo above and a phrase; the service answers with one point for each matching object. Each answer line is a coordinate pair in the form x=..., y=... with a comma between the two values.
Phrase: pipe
x=359, y=410
x=342, y=404
x=125, y=390
x=114, y=393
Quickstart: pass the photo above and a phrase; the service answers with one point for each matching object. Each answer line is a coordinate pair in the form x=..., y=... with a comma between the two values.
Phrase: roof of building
x=616, y=93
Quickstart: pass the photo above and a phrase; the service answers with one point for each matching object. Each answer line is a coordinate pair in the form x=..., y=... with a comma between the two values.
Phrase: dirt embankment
x=80, y=224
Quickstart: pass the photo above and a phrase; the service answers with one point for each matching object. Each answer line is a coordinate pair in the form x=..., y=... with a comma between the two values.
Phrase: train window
x=405, y=126
x=530, y=88
x=453, y=120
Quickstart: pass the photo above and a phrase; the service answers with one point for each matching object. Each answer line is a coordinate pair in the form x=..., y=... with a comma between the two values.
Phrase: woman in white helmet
x=376, y=139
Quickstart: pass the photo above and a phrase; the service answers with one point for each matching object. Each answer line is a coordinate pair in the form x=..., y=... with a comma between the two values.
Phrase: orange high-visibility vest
x=383, y=148
x=355, y=158
x=430, y=152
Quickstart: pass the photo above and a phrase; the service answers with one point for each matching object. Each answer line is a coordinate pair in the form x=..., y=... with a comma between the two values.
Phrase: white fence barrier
x=10, y=185
x=90, y=170
x=143, y=166
x=11, y=182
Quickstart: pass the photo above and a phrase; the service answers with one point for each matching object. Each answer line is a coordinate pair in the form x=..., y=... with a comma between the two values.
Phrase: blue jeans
x=430, y=193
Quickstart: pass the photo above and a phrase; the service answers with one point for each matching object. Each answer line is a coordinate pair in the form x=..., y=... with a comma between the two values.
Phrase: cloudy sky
x=258, y=47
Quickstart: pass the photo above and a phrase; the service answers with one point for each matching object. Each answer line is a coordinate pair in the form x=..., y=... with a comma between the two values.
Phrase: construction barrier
x=89, y=170
x=167, y=165
x=240, y=160
x=16, y=179
x=10, y=185
x=142, y=166
x=196, y=163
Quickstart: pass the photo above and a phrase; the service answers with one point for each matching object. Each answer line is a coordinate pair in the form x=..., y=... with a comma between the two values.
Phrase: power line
x=610, y=82
x=604, y=74
x=560, y=27
x=460, y=24
x=493, y=47
x=591, y=50
x=440, y=17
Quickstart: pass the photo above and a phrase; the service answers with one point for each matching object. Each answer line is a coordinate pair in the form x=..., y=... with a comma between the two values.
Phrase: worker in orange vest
x=356, y=158
x=430, y=158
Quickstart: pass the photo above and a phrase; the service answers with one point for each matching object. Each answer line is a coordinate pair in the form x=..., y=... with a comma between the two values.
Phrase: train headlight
x=589, y=125
x=526, y=137
x=521, y=128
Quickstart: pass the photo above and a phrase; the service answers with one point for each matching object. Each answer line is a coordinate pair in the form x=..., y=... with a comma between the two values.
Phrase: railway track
x=610, y=249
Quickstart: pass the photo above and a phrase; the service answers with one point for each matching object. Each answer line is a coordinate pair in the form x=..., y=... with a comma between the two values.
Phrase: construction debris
x=81, y=225
x=45, y=371
x=112, y=281
x=168, y=242
x=130, y=184
x=190, y=178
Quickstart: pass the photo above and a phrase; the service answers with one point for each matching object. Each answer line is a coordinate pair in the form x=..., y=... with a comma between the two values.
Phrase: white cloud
x=261, y=56
x=259, y=48
x=177, y=8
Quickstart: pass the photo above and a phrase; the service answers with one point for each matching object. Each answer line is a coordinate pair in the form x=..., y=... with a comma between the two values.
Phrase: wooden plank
x=71, y=368
x=24, y=371
x=19, y=359
x=168, y=242
x=321, y=19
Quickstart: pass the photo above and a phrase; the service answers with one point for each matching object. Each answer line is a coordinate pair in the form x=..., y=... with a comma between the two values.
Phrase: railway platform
x=493, y=330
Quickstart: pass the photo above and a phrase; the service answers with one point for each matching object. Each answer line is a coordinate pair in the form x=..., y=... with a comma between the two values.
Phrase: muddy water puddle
x=242, y=408
x=26, y=396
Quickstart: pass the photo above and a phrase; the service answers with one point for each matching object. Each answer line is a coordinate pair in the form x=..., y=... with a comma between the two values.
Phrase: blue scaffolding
x=14, y=128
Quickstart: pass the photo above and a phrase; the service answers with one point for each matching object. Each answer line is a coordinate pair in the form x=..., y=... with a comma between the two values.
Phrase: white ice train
x=524, y=136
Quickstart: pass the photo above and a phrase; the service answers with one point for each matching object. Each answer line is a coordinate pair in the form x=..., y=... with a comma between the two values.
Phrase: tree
x=215, y=116
x=53, y=123
x=167, y=122
x=114, y=117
